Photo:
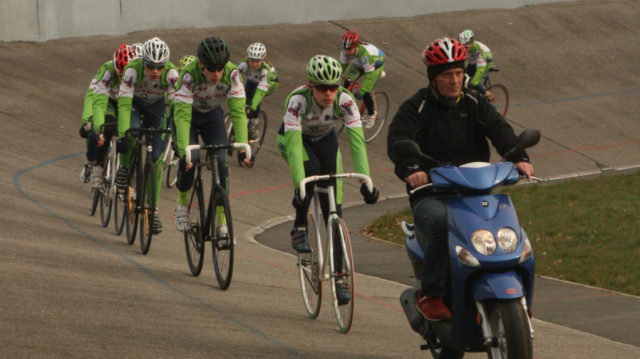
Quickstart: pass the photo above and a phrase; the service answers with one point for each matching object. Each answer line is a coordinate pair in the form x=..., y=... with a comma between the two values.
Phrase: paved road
x=70, y=287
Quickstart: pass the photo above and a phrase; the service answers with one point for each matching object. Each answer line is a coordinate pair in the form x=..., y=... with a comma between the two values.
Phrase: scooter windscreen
x=474, y=178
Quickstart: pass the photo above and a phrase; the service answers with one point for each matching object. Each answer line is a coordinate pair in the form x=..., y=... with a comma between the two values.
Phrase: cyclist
x=367, y=60
x=203, y=86
x=100, y=107
x=479, y=58
x=186, y=59
x=262, y=81
x=308, y=143
x=145, y=83
x=451, y=125
x=139, y=49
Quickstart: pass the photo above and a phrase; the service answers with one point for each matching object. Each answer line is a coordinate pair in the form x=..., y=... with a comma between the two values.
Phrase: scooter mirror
x=406, y=149
x=528, y=138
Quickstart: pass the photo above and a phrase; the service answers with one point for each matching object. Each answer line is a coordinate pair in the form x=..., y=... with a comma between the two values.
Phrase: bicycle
x=499, y=95
x=101, y=195
x=255, y=144
x=142, y=175
x=312, y=267
x=371, y=128
x=171, y=153
x=201, y=231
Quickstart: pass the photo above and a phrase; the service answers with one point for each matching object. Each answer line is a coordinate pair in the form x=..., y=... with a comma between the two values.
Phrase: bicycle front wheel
x=105, y=206
x=500, y=98
x=147, y=212
x=372, y=127
x=342, y=275
x=119, y=212
x=261, y=130
x=223, y=246
x=132, y=202
x=194, y=237
x=172, y=179
x=309, y=272
x=96, y=199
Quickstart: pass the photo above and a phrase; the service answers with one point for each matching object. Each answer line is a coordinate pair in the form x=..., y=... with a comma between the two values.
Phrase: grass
x=584, y=231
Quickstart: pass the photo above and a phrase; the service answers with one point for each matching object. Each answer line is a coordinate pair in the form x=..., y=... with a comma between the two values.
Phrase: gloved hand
x=299, y=202
x=85, y=130
x=369, y=197
x=243, y=155
x=123, y=145
x=182, y=164
x=251, y=113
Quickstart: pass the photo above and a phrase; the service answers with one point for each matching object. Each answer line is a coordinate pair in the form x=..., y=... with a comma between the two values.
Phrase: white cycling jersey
x=259, y=77
x=204, y=96
x=149, y=91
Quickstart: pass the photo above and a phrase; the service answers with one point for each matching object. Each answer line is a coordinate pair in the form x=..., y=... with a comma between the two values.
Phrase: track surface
x=72, y=288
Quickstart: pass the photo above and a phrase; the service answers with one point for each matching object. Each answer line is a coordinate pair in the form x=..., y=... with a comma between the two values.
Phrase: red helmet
x=123, y=55
x=350, y=40
x=444, y=51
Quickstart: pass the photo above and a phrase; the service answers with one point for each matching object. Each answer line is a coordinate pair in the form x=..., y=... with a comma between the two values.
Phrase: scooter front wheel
x=510, y=326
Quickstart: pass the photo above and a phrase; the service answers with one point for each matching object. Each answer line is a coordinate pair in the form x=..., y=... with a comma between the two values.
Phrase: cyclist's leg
x=109, y=118
x=369, y=83
x=154, y=115
x=136, y=121
x=185, y=178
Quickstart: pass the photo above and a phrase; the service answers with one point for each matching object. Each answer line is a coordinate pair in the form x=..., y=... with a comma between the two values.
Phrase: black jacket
x=452, y=132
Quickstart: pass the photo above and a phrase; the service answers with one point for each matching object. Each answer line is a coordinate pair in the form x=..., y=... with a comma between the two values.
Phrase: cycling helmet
x=185, y=60
x=350, y=40
x=256, y=51
x=213, y=52
x=156, y=51
x=324, y=70
x=123, y=55
x=443, y=54
x=139, y=49
x=466, y=37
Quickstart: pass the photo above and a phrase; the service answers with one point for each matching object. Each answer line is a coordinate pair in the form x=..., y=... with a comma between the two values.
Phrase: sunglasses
x=154, y=66
x=214, y=69
x=325, y=88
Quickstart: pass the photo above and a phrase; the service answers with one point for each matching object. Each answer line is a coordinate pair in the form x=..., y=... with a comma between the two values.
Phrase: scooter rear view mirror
x=528, y=138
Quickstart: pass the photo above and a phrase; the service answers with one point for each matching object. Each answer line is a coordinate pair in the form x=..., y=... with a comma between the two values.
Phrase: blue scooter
x=490, y=286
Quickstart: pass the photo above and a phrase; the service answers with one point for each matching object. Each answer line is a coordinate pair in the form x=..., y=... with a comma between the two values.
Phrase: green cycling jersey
x=103, y=86
x=265, y=78
x=479, y=56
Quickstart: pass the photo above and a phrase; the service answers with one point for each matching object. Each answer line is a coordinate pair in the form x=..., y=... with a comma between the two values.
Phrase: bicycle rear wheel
x=119, y=212
x=372, y=128
x=147, y=212
x=261, y=128
x=105, y=206
x=222, y=248
x=343, y=311
x=96, y=199
x=309, y=272
x=132, y=200
x=194, y=238
x=500, y=98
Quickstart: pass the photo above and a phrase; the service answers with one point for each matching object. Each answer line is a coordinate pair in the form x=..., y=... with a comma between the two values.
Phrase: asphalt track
x=70, y=287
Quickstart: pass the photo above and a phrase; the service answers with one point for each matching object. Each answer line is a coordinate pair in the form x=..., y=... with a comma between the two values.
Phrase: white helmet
x=466, y=37
x=256, y=51
x=156, y=51
x=139, y=49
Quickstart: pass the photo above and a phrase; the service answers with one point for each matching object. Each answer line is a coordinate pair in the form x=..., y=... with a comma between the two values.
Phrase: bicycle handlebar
x=326, y=177
x=145, y=130
x=216, y=147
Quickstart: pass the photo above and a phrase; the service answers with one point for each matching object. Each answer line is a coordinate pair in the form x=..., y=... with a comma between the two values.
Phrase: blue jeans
x=430, y=216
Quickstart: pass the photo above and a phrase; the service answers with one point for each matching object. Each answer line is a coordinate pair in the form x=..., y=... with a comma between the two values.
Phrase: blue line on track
x=16, y=183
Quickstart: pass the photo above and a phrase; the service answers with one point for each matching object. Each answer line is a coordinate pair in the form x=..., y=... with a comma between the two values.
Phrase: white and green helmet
x=466, y=37
x=324, y=70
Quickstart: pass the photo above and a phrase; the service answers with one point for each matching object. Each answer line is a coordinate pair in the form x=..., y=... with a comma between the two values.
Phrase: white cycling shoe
x=222, y=233
x=369, y=121
x=96, y=177
x=181, y=215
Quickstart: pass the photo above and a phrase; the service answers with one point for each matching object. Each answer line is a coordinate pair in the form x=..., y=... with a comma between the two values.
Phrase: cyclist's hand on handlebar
x=245, y=161
x=299, y=202
x=418, y=179
x=100, y=138
x=526, y=169
x=251, y=113
x=123, y=145
x=85, y=129
x=184, y=166
x=369, y=197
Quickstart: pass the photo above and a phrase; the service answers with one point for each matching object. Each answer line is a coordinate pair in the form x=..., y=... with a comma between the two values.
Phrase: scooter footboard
x=408, y=302
x=506, y=285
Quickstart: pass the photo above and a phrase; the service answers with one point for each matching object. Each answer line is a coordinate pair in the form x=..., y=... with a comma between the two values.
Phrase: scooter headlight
x=483, y=241
x=467, y=258
x=507, y=239
x=526, y=251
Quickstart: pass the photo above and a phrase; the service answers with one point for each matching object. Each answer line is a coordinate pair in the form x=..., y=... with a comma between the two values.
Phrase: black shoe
x=300, y=240
x=157, y=225
x=121, y=178
x=342, y=292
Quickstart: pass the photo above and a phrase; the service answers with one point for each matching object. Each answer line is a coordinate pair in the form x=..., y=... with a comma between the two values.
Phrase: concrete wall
x=41, y=20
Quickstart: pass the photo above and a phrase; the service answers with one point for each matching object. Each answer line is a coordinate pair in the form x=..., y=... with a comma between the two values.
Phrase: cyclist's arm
x=236, y=101
x=344, y=61
x=481, y=67
x=182, y=109
x=293, y=137
x=172, y=81
x=101, y=98
x=498, y=130
x=351, y=117
x=405, y=126
x=125, y=99
x=262, y=89
x=87, y=110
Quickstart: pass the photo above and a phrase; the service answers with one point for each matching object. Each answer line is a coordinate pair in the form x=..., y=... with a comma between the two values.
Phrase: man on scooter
x=451, y=125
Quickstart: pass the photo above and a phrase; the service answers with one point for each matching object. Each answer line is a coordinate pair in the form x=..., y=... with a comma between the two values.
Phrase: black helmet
x=213, y=52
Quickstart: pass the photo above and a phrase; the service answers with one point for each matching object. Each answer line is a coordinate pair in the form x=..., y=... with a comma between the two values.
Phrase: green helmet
x=324, y=70
x=185, y=60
